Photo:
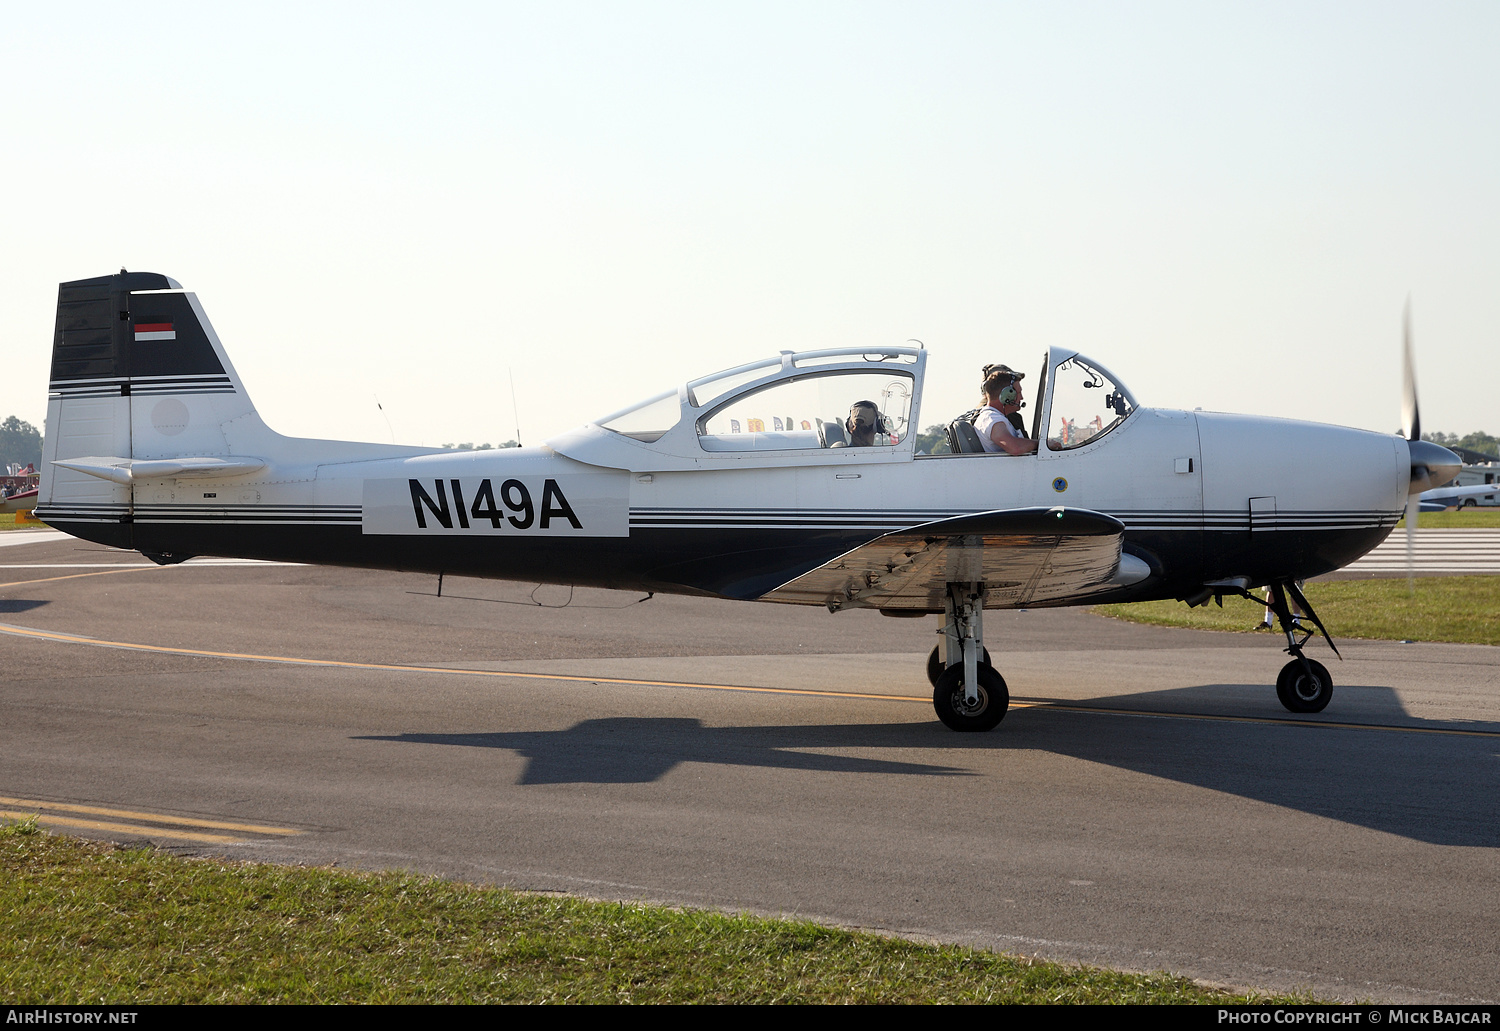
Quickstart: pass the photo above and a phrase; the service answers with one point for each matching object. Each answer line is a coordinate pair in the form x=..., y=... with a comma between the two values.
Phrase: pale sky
x=1227, y=205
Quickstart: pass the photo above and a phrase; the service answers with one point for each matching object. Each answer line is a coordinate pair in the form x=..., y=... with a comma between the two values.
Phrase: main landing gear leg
x=968, y=694
x=1303, y=684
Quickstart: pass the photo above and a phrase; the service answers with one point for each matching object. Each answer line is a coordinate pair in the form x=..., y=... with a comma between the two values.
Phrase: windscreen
x=1086, y=404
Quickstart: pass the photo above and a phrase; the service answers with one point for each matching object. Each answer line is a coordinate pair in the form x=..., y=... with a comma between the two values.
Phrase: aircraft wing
x=1024, y=556
x=1447, y=497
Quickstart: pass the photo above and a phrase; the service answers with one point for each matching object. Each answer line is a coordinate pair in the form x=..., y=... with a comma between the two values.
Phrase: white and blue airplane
x=1440, y=499
x=748, y=484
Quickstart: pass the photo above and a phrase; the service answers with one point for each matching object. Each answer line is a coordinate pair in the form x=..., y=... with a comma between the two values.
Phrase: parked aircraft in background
x=1440, y=499
x=22, y=502
x=759, y=483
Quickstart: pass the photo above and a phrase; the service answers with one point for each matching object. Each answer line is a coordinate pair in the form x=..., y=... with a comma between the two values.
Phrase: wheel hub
x=963, y=708
x=1306, y=687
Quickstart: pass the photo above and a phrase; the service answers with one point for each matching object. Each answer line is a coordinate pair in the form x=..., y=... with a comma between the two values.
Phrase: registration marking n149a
x=587, y=505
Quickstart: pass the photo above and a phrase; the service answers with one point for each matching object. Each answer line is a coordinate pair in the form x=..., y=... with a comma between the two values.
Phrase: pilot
x=998, y=422
x=864, y=420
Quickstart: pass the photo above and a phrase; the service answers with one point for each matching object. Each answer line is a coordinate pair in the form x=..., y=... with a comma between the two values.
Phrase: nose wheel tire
x=1302, y=693
x=935, y=664
x=956, y=713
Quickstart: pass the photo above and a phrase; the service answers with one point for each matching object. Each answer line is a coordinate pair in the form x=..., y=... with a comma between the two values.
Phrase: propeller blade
x=1411, y=419
x=1413, y=505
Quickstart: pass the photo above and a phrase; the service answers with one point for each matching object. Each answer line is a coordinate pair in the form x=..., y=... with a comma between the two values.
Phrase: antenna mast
x=515, y=409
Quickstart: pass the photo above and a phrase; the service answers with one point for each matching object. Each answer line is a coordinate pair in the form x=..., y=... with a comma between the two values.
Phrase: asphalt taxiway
x=1147, y=803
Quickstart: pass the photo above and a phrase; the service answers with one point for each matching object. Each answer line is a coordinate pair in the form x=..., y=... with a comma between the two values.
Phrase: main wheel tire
x=1301, y=693
x=935, y=664
x=957, y=714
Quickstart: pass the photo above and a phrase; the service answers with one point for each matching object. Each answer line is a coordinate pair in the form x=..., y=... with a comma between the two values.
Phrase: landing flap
x=1024, y=556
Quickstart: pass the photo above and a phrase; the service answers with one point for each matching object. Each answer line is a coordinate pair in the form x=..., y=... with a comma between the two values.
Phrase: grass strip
x=91, y=923
x=1457, y=519
x=1455, y=609
x=8, y=522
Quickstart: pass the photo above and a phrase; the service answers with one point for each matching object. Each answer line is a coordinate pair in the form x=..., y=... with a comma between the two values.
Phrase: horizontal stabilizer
x=126, y=470
x=1023, y=556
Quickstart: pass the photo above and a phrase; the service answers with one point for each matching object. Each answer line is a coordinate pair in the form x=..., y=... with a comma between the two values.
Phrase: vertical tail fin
x=137, y=373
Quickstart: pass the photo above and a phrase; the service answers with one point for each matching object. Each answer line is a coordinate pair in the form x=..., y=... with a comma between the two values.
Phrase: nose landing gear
x=1303, y=684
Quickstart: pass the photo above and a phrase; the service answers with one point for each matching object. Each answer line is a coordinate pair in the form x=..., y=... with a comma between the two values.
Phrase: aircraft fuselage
x=1203, y=496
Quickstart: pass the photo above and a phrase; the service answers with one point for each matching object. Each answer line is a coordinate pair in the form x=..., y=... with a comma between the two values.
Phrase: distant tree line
x=933, y=441
x=467, y=446
x=19, y=442
x=1475, y=441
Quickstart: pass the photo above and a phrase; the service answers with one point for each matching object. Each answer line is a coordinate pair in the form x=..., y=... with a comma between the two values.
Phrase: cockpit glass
x=711, y=388
x=842, y=356
x=846, y=409
x=647, y=421
x=1086, y=404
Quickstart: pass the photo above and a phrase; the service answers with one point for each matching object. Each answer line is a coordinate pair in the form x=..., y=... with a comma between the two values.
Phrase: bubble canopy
x=795, y=401
x=838, y=405
x=853, y=404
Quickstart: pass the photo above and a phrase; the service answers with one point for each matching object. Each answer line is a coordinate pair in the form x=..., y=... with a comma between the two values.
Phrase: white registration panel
x=590, y=505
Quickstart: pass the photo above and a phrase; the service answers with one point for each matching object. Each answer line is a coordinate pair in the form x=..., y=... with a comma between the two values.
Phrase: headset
x=882, y=424
x=1008, y=394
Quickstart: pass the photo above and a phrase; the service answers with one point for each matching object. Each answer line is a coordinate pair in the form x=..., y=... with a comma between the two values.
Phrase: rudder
x=137, y=373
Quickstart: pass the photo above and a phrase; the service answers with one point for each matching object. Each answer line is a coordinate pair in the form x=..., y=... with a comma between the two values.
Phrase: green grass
x=1462, y=609
x=1457, y=519
x=89, y=923
x=8, y=522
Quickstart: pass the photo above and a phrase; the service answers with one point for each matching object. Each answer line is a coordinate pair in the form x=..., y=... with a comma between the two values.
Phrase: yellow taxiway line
x=154, y=823
x=74, y=576
x=21, y=631
x=121, y=828
x=130, y=814
x=47, y=635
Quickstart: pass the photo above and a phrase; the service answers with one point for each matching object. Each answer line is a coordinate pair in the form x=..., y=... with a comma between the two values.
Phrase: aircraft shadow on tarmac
x=19, y=604
x=640, y=749
x=1440, y=788
x=1436, y=781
